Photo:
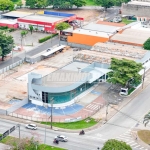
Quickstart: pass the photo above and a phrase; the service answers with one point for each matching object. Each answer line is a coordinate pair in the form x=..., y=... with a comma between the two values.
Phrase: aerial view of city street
x=74, y=74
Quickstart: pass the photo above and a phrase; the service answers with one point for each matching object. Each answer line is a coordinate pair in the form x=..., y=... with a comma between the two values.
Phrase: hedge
x=146, y=45
x=47, y=38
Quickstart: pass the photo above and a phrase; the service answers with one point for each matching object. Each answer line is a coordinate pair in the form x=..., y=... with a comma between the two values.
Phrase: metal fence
x=68, y=118
x=4, y=70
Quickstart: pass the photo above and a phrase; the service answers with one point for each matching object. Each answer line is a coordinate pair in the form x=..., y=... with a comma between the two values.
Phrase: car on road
x=31, y=126
x=61, y=138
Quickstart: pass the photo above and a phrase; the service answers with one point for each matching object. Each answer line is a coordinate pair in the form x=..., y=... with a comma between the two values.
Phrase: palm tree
x=146, y=119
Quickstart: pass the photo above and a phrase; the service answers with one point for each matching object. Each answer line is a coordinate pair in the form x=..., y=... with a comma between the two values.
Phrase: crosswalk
x=92, y=106
x=127, y=137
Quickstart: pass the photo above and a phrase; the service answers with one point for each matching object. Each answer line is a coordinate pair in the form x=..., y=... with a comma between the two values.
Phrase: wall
x=9, y=25
x=141, y=11
x=86, y=39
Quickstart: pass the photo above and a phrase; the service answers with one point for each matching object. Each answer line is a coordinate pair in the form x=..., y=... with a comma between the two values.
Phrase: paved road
x=117, y=126
x=39, y=49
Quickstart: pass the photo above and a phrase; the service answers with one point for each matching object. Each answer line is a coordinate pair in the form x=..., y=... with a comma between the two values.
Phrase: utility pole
x=19, y=130
x=51, y=111
x=106, y=112
x=143, y=78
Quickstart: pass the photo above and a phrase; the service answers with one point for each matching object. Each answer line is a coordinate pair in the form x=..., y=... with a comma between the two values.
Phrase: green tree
x=146, y=45
x=6, y=44
x=79, y=3
x=37, y=3
x=23, y=34
x=62, y=26
x=116, y=145
x=6, y=5
x=31, y=28
x=19, y=4
x=146, y=119
x=123, y=71
x=105, y=3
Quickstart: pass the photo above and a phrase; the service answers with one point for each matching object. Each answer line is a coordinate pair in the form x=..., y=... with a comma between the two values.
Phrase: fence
x=68, y=118
x=17, y=106
x=3, y=70
x=3, y=112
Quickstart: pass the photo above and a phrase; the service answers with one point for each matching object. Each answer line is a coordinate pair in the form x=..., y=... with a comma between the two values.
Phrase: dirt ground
x=88, y=15
x=13, y=84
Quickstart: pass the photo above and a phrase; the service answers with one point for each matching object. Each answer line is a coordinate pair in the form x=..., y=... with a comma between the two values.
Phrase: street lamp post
x=106, y=111
x=19, y=130
x=143, y=78
x=51, y=111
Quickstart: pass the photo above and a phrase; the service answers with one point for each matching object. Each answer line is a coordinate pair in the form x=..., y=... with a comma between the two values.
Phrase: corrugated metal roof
x=110, y=23
x=101, y=28
x=8, y=21
x=17, y=14
x=44, y=18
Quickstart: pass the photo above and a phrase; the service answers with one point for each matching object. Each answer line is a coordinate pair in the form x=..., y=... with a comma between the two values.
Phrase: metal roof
x=44, y=18
x=8, y=21
x=101, y=28
x=16, y=14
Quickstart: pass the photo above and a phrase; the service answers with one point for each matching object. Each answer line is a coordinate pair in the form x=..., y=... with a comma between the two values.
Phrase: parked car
x=31, y=126
x=61, y=138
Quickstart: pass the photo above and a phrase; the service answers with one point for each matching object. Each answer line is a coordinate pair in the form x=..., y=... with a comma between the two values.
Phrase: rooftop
x=16, y=14
x=8, y=21
x=44, y=18
x=110, y=23
x=92, y=33
x=101, y=28
x=132, y=36
x=139, y=3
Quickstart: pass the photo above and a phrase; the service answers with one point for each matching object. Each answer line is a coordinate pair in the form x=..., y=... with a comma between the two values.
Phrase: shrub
x=47, y=38
x=146, y=45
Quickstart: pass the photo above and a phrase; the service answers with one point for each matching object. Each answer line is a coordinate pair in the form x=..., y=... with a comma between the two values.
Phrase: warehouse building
x=45, y=21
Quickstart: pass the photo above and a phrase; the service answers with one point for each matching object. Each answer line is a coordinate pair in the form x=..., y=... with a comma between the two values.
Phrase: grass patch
x=130, y=90
x=9, y=140
x=126, y=21
x=144, y=135
x=90, y=3
x=86, y=123
x=47, y=147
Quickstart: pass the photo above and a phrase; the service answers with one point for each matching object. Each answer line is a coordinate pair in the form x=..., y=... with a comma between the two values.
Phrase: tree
x=37, y=3
x=31, y=28
x=123, y=71
x=113, y=144
x=146, y=45
x=19, y=4
x=6, y=44
x=62, y=26
x=23, y=34
x=105, y=3
x=146, y=119
x=6, y=5
x=79, y=3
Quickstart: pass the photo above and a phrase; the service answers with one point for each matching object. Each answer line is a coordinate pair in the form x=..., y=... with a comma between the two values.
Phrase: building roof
x=16, y=14
x=62, y=78
x=139, y=3
x=92, y=33
x=132, y=36
x=110, y=23
x=44, y=18
x=101, y=28
x=8, y=21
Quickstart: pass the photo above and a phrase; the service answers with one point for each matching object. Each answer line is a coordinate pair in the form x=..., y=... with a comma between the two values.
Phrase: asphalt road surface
x=39, y=49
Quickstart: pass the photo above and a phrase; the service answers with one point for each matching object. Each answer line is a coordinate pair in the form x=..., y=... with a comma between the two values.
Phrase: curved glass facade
x=64, y=97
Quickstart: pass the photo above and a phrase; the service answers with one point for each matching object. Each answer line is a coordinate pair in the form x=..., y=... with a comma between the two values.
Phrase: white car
x=31, y=126
x=61, y=138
